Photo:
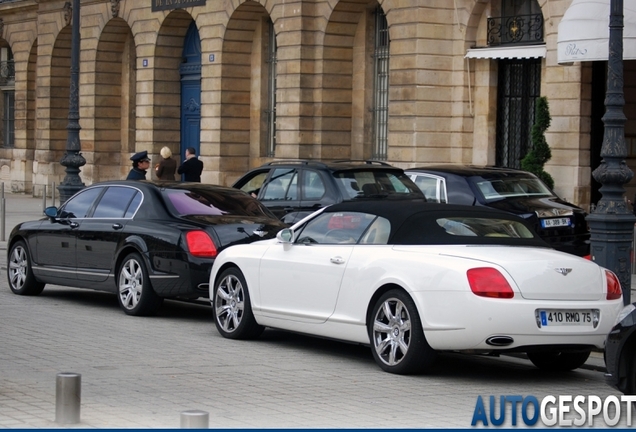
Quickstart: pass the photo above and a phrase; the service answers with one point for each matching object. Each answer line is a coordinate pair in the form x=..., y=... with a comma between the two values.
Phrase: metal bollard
x=68, y=395
x=195, y=419
x=43, y=197
x=53, y=195
x=2, y=213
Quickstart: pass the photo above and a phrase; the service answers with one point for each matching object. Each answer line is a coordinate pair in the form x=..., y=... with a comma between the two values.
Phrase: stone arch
x=243, y=88
x=115, y=95
x=166, y=107
x=347, y=91
x=482, y=80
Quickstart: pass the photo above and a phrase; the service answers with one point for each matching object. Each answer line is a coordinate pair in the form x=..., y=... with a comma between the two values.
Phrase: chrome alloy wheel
x=18, y=266
x=131, y=283
x=229, y=303
x=392, y=331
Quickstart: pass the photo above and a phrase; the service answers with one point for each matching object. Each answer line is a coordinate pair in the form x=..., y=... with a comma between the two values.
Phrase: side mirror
x=51, y=212
x=285, y=236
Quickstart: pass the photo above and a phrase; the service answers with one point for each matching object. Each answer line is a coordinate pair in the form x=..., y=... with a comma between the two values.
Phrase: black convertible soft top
x=417, y=222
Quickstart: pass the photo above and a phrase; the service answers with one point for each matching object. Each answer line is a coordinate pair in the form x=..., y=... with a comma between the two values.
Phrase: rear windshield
x=374, y=183
x=429, y=228
x=214, y=203
x=511, y=187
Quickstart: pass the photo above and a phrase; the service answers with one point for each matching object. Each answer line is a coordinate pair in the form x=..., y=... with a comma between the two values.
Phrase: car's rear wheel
x=232, y=308
x=134, y=291
x=395, y=331
x=559, y=361
x=19, y=271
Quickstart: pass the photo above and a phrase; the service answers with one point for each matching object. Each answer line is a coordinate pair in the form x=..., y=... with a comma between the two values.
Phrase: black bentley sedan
x=143, y=240
x=561, y=224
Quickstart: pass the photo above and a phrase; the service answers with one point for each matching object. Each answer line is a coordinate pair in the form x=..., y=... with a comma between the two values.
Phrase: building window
x=271, y=93
x=381, y=87
x=9, y=119
x=521, y=22
x=518, y=88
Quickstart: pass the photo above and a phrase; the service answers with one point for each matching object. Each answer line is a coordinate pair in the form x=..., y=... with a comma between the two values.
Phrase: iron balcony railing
x=519, y=29
x=7, y=72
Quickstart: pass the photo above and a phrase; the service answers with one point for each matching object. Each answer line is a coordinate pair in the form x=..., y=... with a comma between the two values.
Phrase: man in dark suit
x=192, y=167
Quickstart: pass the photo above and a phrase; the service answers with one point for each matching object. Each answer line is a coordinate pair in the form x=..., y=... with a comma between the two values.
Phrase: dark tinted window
x=313, y=186
x=215, y=203
x=114, y=202
x=80, y=204
x=361, y=183
x=471, y=229
x=282, y=185
x=134, y=205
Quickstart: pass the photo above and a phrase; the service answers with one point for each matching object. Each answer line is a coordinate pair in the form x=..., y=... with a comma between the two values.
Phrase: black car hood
x=231, y=230
x=521, y=206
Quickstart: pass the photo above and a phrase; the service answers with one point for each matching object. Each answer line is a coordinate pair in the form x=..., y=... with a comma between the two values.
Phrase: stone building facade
x=412, y=82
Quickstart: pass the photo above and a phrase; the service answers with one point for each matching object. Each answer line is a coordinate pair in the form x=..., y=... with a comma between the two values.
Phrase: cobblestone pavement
x=143, y=372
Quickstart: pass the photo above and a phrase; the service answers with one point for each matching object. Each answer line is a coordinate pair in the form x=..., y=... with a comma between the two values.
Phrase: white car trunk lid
x=546, y=275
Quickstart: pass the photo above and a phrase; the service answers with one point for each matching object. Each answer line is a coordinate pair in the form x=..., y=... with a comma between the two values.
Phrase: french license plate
x=558, y=222
x=556, y=317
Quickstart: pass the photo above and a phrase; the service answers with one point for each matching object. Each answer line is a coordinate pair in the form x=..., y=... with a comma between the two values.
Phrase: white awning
x=584, y=31
x=520, y=52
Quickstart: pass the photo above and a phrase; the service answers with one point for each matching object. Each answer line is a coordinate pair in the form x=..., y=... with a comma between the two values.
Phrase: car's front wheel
x=395, y=331
x=232, y=308
x=19, y=271
x=134, y=291
x=559, y=361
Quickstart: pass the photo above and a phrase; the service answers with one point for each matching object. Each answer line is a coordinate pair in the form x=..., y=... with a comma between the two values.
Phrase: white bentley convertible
x=411, y=278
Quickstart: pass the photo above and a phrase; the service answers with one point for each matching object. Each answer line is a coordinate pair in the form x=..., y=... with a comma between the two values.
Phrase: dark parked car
x=144, y=241
x=620, y=352
x=561, y=224
x=293, y=189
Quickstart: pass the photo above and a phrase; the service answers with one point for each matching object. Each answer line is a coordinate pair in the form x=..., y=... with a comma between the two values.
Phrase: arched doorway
x=190, y=71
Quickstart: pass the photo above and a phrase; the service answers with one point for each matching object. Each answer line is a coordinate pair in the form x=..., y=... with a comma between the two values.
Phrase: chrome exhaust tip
x=499, y=341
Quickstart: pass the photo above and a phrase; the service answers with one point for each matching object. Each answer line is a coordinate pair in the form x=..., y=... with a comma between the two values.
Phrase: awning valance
x=521, y=52
x=584, y=31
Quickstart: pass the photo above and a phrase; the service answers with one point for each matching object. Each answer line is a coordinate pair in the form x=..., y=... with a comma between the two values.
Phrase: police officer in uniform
x=140, y=163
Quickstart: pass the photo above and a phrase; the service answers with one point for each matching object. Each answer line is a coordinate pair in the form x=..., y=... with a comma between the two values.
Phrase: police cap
x=140, y=157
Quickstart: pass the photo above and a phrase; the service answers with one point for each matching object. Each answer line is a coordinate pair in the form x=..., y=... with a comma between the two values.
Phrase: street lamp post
x=73, y=159
x=612, y=223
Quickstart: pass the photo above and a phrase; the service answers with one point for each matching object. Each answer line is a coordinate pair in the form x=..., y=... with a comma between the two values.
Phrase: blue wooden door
x=191, y=91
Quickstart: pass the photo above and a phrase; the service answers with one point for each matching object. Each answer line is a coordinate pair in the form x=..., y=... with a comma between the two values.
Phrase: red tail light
x=614, y=290
x=200, y=244
x=588, y=257
x=489, y=282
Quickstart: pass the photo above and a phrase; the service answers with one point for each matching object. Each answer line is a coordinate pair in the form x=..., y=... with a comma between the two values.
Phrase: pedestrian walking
x=140, y=163
x=166, y=169
x=192, y=167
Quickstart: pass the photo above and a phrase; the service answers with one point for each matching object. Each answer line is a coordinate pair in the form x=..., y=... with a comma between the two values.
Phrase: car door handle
x=73, y=224
x=117, y=226
x=337, y=260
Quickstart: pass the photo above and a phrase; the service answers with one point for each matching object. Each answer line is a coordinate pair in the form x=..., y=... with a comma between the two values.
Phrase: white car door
x=301, y=281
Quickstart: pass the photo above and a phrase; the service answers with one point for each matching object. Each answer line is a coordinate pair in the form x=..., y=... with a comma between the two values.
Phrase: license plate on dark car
x=552, y=223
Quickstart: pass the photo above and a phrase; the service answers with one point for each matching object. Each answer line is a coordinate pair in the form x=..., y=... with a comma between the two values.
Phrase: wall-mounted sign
x=211, y=58
x=161, y=5
x=144, y=62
